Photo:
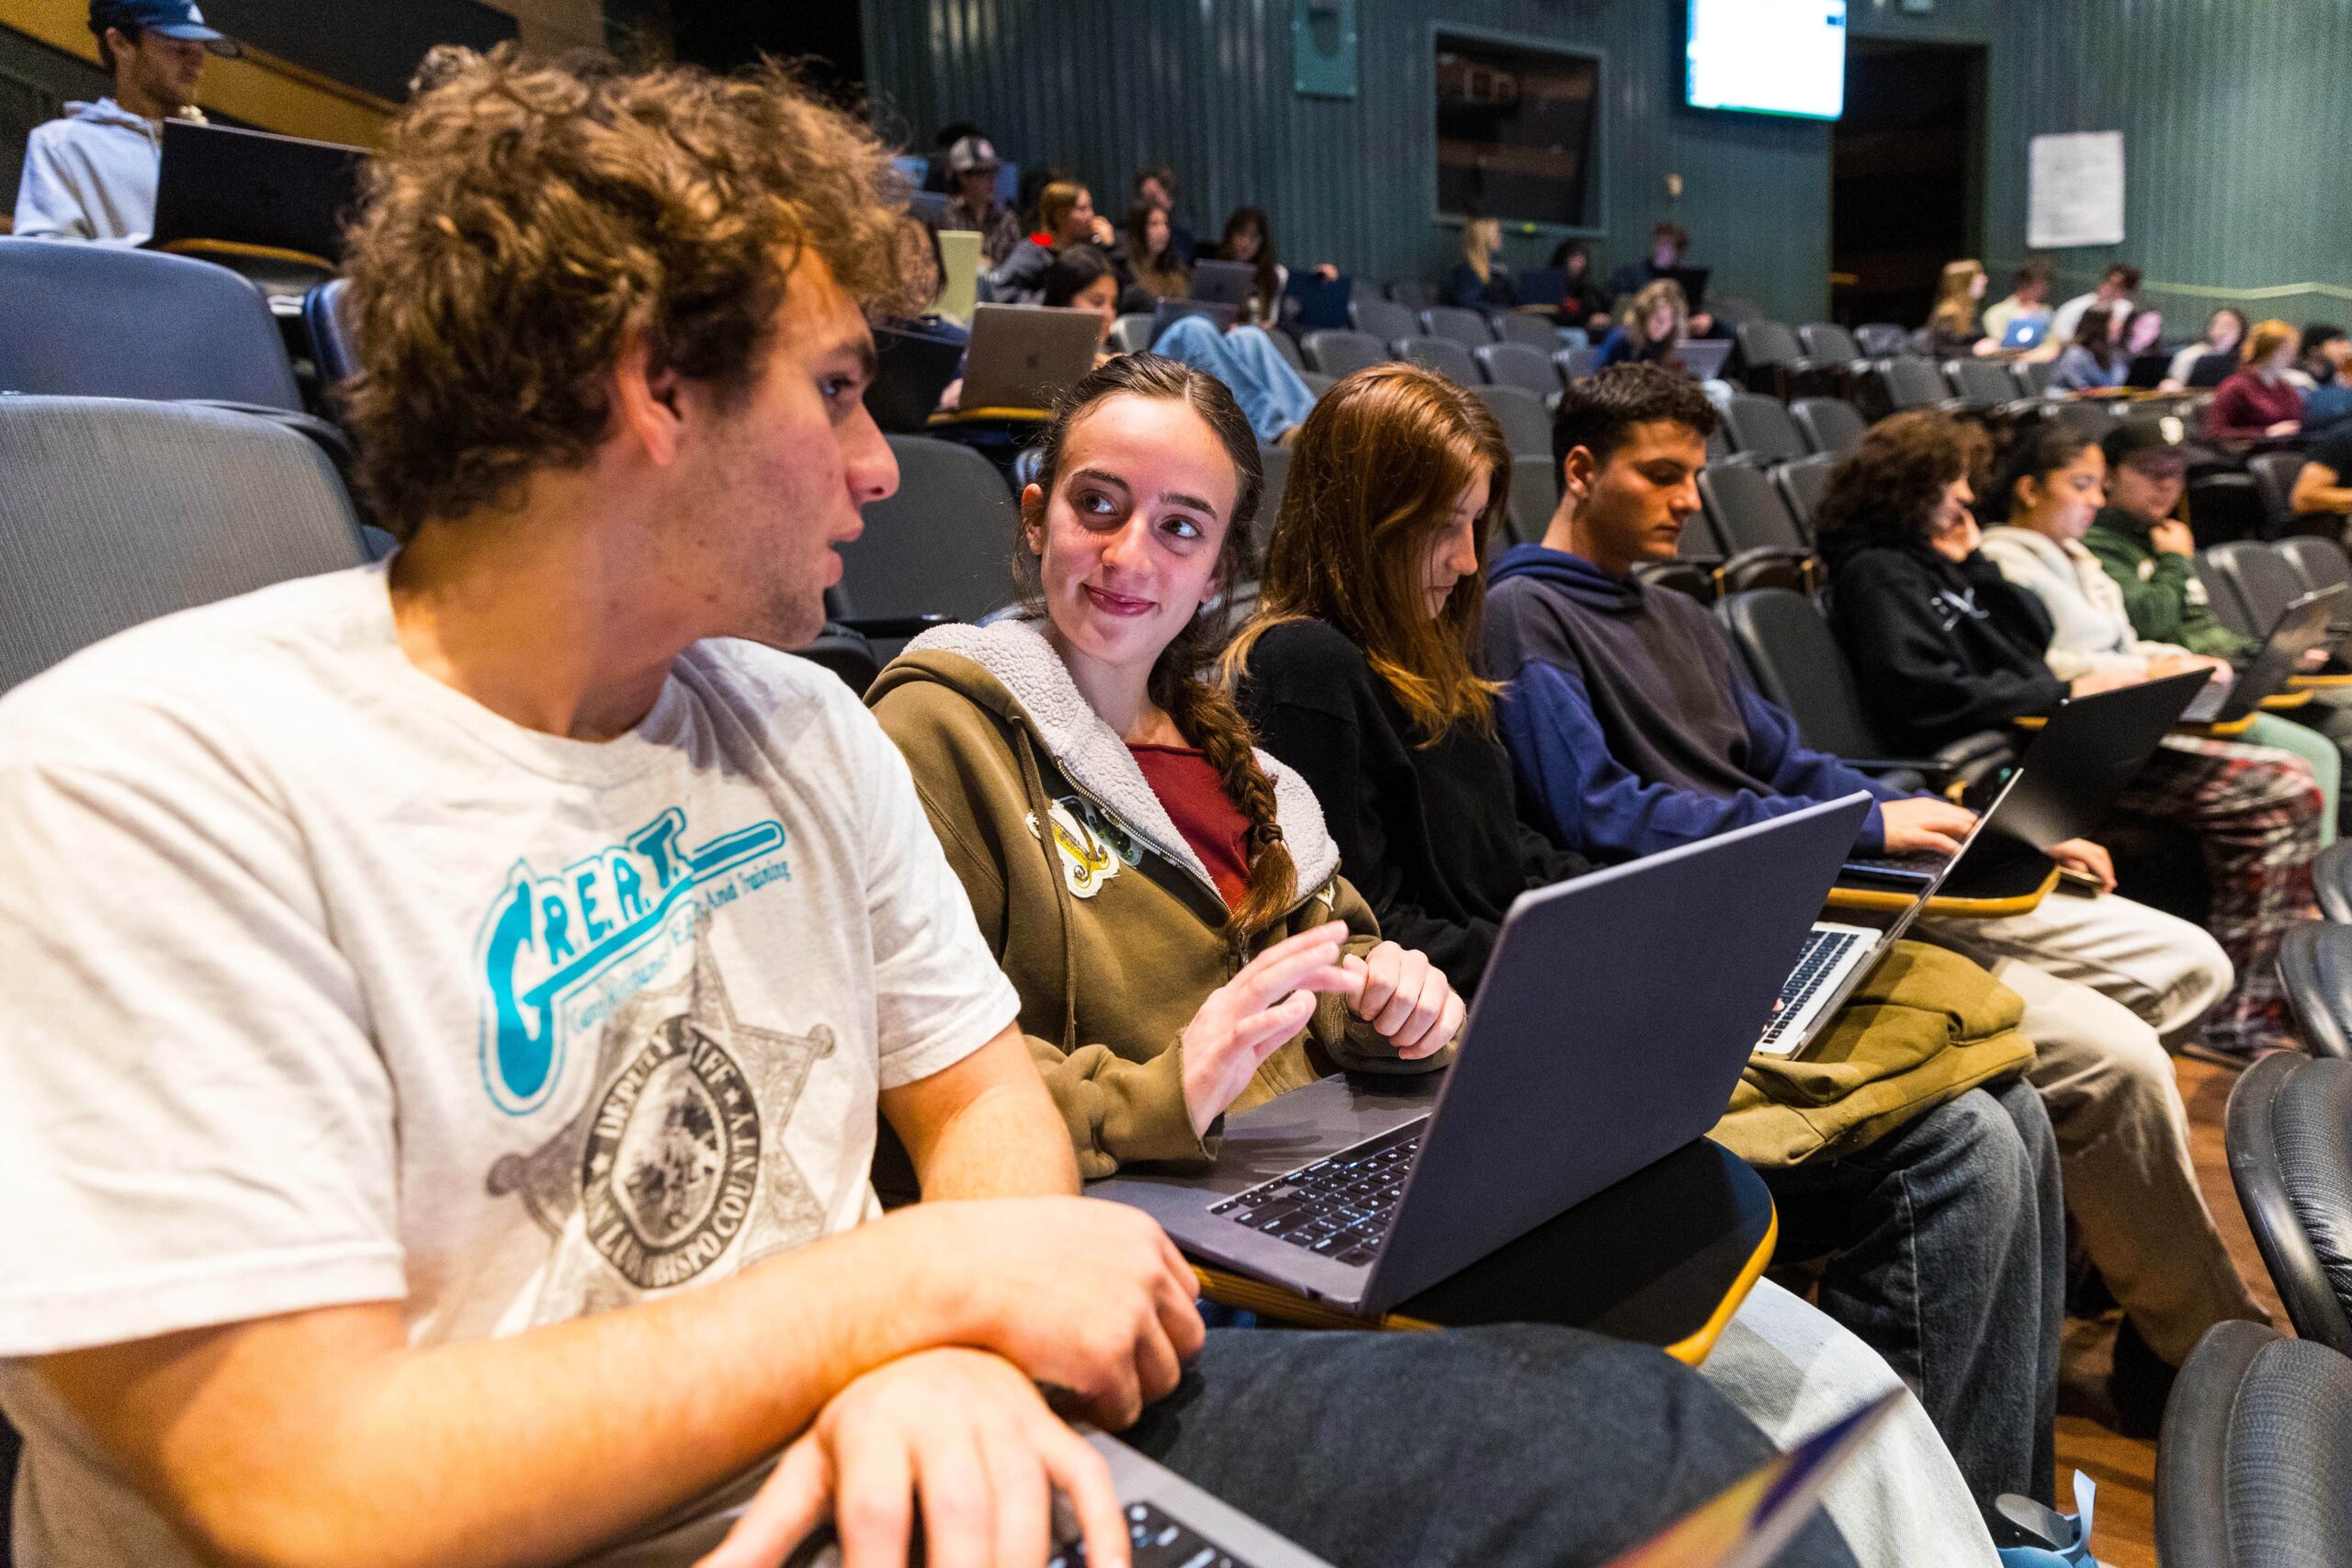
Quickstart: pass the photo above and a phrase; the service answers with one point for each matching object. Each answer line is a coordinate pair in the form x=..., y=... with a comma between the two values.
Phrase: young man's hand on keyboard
x=1924, y=822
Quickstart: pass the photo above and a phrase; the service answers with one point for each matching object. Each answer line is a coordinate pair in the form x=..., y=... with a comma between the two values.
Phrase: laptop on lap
x=254, y=187
x=1594, y=1047
x=2306, y=624
x=1224, y=283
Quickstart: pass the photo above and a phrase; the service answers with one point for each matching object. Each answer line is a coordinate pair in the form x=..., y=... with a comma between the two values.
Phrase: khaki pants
x=2105, y=981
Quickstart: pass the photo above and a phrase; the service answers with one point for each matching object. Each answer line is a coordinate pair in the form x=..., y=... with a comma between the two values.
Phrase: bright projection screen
x=1767, y=57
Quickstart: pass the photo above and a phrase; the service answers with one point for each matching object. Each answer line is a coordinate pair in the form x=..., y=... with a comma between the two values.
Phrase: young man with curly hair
x=449, y=1003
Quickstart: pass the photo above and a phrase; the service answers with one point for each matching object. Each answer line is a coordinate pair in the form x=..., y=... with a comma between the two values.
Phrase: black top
x=1939, y=650
x=1429, y=835
x=1496, y=291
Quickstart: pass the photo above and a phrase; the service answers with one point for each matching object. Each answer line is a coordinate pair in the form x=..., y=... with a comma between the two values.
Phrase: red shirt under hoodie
x=1188, y=786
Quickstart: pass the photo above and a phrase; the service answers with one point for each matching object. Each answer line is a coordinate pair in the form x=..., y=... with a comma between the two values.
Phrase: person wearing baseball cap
x=91, y=175
x=2150, y=554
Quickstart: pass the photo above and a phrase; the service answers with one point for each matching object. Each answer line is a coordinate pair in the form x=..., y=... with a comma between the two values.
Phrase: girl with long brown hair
x=1165, y=900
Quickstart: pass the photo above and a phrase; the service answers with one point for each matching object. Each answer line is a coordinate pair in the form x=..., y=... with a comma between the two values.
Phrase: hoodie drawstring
x=1041, y=814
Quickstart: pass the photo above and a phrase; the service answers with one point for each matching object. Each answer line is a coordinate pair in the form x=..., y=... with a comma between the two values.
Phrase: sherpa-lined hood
x=1010, y=670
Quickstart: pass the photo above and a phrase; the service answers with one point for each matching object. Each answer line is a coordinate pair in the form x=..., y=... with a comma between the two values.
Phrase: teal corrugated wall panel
x=1101, y=86
x=2237, y=116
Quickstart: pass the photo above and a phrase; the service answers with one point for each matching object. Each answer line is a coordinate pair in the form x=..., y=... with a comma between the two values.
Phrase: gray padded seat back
x=1276, y=462
x=2331, y=880
x=1879, y=340
x=2311, y=1125
x=101, y=321
x=1517, y=364
x=1803, y=481
x=1828, y=339
x=2289, y=1164
x=1913, y=383
x=1413, y=293
x=1576, y=363
x=115, y=511
x=1287, y=346
x=2263, y=580
x=2275, y=473
x=1467, y=328
x=1527, y=429
x=1797, y=665
x=1534, y=495
x=1982, y=381
x=2321, y=563
x=2033, y=376
x=1764, y=344
x=1830, y=424
x=1519, y=326
x=1337, y=353
x=1384, y=318
x=1761, y=427
x=2315, y=966
x=1441, y=355
x=2254, y=1469
x=942, y=545
x=332, y=349
x=1131, y=333
x=1747, y=511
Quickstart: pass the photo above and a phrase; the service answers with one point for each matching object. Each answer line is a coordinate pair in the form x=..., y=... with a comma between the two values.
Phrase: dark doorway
x=828, y=40
x=1905, y=176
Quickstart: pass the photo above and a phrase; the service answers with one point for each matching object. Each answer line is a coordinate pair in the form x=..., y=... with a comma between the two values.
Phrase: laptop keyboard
x=1922, y=863
x=1815, y=966
x=1339, y=1207
x=1155, y=1540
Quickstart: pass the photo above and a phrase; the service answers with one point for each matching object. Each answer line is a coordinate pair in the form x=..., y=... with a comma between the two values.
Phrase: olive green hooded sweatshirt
x=1108, y=924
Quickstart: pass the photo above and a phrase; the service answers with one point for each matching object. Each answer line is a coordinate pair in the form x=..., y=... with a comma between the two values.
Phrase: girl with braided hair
x=1165, y=898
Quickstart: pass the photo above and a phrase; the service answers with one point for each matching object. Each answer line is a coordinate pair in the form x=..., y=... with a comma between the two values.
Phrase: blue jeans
x=1246, y=360
x=1947, y=1255
x=1509, y=1446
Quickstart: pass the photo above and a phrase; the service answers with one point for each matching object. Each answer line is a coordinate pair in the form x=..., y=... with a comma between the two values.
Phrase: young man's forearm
x=320, y=1438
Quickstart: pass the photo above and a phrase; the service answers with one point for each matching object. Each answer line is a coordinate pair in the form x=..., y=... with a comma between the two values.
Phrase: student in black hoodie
x=1357, y=670
x=1942, y=646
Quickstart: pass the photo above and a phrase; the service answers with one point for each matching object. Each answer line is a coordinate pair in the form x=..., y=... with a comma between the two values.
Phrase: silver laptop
x=1610, y=1030
x=1171, y=1524
x=1702, y=358
x=1223, y=282
x=1838, y=955
x=1024, y=357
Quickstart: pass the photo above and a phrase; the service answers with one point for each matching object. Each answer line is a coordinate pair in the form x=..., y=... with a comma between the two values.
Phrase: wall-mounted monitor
x=1766, y=57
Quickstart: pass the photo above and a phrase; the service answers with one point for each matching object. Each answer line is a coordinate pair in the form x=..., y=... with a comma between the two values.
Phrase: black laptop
x=2306, y=624
x=254, y=187
x=2060, y=789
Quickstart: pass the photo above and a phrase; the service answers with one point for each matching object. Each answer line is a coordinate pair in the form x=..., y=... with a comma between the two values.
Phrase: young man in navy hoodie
x=1633, y=729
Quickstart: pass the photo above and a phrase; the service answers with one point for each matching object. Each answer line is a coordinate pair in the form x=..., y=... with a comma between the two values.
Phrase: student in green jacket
x=2149, y=552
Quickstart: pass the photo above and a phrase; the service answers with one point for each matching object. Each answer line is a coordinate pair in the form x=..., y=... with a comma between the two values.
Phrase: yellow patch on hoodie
x=1087, y=860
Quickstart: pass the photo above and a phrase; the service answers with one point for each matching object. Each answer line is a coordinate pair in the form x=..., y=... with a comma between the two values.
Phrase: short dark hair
x=1599, y=414
x=1666, y=228
x=2320, y=333
x=2127, y=276
x=1075, y=268
x=1161, y=172
x=103, y=17
x=2035, y=270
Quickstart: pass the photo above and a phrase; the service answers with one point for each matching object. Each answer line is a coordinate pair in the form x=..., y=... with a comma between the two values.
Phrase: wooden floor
x=2125, y=1468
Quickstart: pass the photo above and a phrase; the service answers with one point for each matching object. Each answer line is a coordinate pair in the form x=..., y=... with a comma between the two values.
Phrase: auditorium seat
x=1773, y=361
x=1441, y=355
x=1577, y=364
x=2225, y=506
x=1384, y=318
x=941, y=545
x=1521, y=327
x=104, y=321
x=1906, y=382
x=1334, y=352
x=2274, y=475
x=1131, y=333
x=1803, y=482
x=1413, y=293
x=1760, y=428
x=2288, y=1133
x=1287, y=346
x=1797, y=665
x=114, y=513
x=2254, y=1467
x=1830, y=424
x=1534, y=496
x=1467, y=328
x=2315, y=969
x=1274, y=463
x=1763, y=546
x=1317, y=381
x=1526, y=427
x=2331, y=880
x=329, y=337
x=1881, y=340
x=2032, y=377
x=2321, y=563
x=1983, y=382
x=1830, y=343
x=2258, y=576
x=1517, y=364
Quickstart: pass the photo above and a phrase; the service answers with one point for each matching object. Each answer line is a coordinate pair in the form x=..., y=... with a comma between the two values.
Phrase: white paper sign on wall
x=2075, y=190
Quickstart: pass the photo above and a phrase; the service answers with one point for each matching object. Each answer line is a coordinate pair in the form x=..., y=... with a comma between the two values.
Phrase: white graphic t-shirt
x=325, y=984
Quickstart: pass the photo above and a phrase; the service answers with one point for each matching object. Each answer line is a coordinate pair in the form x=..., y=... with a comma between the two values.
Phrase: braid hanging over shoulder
x=1209, y=719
